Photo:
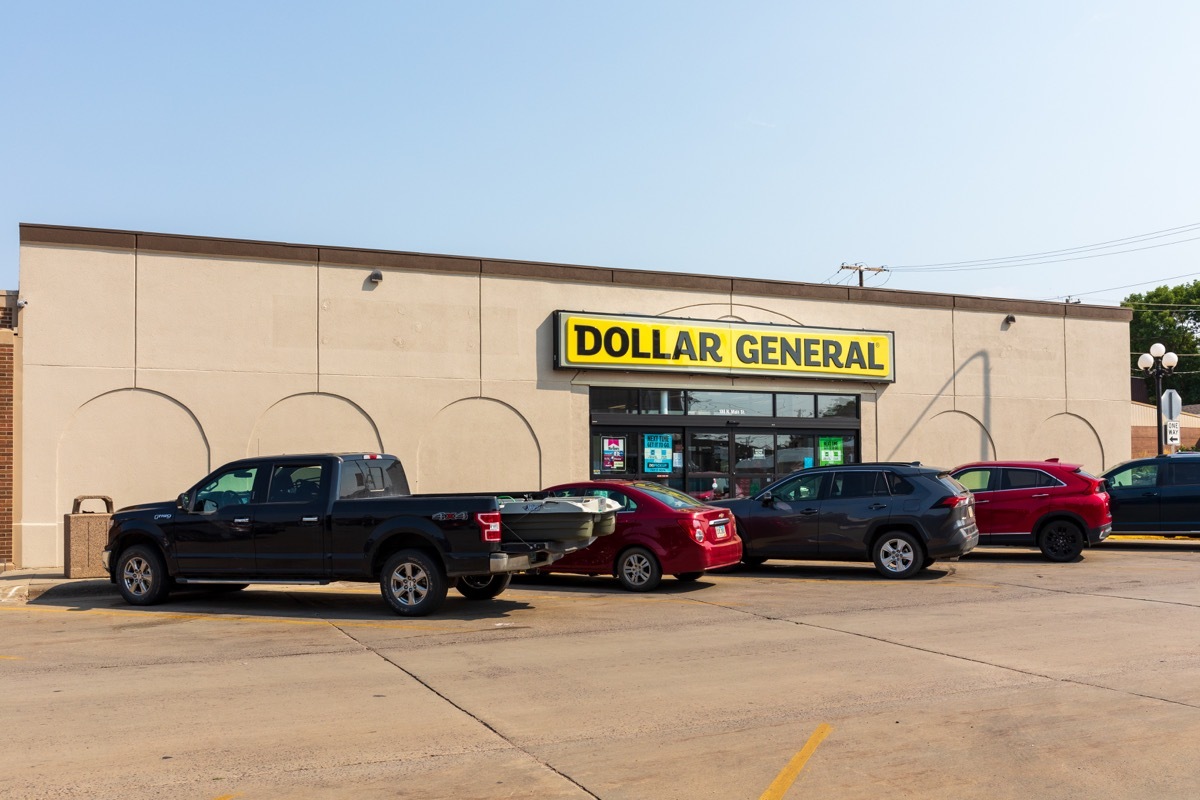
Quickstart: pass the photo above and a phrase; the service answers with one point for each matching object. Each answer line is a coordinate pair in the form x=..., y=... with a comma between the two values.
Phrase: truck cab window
x=231, y=488
x=295, y=483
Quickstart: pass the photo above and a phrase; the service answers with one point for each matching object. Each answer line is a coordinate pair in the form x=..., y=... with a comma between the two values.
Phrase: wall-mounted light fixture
x=1010, y=319
x=376, y=276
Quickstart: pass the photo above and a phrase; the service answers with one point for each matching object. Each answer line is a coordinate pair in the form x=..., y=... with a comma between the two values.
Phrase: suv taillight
x=489, y=525
x=952, y=501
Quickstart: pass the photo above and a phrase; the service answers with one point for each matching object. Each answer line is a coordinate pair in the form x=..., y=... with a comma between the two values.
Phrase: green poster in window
x=831, y=451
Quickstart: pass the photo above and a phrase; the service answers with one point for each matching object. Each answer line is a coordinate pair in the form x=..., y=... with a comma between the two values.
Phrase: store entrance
x=715, y=464
x=715, y=444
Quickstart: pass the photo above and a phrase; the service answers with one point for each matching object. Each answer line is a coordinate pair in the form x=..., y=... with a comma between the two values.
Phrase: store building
x=142, y=361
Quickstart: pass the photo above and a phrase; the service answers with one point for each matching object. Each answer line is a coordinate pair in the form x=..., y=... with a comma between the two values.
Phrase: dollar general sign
x=665, y=344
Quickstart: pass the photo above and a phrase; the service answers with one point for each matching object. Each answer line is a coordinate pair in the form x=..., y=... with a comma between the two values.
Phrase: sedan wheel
x=638, y=570
x=897, y=555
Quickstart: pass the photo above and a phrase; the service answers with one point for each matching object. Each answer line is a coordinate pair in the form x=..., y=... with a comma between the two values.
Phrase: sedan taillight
x=695, y=528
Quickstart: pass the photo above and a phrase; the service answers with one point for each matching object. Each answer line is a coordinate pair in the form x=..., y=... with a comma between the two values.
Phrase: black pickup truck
x=315, y=519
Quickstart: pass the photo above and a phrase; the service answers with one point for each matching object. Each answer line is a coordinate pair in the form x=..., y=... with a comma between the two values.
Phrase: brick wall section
x=6, y=453
x=1144, y=440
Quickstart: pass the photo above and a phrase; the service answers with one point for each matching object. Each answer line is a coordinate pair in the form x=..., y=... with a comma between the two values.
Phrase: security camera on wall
x=22, y=303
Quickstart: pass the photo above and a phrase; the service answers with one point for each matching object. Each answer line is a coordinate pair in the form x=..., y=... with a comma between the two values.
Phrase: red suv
x=1056, y=507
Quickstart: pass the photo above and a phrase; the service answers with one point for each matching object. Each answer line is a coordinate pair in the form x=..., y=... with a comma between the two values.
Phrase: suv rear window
x=952, y=485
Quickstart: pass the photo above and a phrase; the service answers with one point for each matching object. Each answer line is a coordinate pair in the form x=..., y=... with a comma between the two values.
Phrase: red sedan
x=659, y=530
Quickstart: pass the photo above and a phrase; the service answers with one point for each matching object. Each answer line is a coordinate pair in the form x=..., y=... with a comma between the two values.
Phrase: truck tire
x=412, y=583
x=142, y=575
x=483, y=587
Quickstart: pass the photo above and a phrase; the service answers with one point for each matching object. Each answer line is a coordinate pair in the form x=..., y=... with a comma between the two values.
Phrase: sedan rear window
x=669, y=496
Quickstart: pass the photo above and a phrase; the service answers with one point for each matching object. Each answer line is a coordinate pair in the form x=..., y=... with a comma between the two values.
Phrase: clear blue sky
x=763, y=139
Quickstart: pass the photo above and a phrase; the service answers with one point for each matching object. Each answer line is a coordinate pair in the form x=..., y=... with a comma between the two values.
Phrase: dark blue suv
x=902, y=517
x=1156, y=496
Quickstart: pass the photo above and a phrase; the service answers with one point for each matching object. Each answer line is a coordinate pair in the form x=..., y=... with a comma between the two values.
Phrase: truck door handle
x=1047, y=494
x=877, y=506
x=309, y=520
x=241, y=521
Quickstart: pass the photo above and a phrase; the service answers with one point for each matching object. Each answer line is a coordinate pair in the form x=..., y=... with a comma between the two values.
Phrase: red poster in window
x=612, y=458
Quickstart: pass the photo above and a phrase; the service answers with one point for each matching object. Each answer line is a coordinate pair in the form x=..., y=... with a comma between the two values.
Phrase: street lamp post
x=1157, y=363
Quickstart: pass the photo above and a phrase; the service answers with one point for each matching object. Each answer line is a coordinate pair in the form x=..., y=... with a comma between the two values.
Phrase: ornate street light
x=1157, y=363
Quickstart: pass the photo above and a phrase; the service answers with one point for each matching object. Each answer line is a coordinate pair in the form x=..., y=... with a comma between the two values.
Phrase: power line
x=1048, y=261
x=1081, y=248
x=1126, y=286
x=860, y=269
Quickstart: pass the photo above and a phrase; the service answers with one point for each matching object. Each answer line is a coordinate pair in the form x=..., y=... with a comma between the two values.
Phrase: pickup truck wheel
x=638, y=570
x=897, y=555
x=1061, y=540
x=142, y=576
x=483, y=587
x=412, y=583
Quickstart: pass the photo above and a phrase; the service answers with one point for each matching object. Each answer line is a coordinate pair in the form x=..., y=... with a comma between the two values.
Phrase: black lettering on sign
x=656, y=350
x=610, y=342
x=832, y=352
x=871, y=362
x=854, y=356
x=709, y=342
x=587, y=340
x=684, y=347
x=769, y=343
x=746, y=352
x=638, y=352
x=789, y=348
x=812, y=355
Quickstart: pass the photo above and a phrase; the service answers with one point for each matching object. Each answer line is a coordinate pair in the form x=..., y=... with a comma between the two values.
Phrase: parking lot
x=1001, y=675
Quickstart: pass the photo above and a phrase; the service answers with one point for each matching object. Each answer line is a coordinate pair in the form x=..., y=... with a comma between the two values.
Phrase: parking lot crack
x=509, y=742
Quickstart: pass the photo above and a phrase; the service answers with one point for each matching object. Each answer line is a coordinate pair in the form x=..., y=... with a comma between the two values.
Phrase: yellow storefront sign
x=665, y=344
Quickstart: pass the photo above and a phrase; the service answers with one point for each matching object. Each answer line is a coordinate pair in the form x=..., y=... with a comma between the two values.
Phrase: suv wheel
x=142, y=575
x=412, y=583
x=1061, y=540
x=897, y=555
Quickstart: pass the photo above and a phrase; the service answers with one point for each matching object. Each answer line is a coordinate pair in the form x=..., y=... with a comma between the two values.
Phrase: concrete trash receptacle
x=86, y=534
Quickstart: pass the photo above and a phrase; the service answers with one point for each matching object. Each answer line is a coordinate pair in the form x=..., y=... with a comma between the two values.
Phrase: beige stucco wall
x=142, y=371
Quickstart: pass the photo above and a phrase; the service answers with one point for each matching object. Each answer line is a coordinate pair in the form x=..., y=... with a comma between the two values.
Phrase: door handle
x=808, y=512
x=979, y=502
x=241, y=521
x=877, y=506
x=309, y=520
x=1149, y=494
x=1047, y=494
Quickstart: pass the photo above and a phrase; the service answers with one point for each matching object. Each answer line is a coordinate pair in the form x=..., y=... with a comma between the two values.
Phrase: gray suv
x=902, y=517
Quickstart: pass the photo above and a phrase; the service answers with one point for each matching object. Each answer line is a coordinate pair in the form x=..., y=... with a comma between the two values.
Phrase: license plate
x=721, y=532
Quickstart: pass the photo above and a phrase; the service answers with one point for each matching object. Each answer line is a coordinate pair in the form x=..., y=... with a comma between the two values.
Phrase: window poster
x=612, y=459
x=831, y=451
x=656, y=452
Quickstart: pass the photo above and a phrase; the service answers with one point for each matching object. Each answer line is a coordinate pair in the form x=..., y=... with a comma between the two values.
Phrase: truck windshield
x=379, y=477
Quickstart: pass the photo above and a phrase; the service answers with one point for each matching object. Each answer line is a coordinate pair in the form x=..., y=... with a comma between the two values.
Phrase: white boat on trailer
x=557, y=519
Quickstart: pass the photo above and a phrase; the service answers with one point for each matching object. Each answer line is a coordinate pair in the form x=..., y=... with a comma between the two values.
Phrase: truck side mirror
x=181, y=502
x=767, y=498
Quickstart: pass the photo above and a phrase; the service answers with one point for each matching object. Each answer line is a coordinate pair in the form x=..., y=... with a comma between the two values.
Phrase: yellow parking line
x=10, y=658
x=787, y=777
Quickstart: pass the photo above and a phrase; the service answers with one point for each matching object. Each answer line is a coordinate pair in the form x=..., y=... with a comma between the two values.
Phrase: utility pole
x=860, y=269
